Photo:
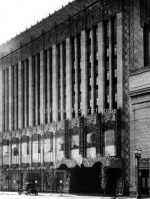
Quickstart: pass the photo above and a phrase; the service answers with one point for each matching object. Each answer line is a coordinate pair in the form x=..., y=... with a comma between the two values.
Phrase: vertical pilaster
x=68, y=79
x=48, y=85
x=25, y=94
x=20, y=96
x=6, y=100
x=10, y=149
x=36, y=90
x=42, y=86
x=42, y=149
x=92, y=72
x=55, y=83
x=119, y=61
x=54, y=149
x=62, y=81
x=30, y=150
x=76, y=79
x=101, y=69
x=20, y=151
x=31, y=108
x=11, y=107
x=84, y=80
x=15, y=97
x=1, y=98
x=110, y=67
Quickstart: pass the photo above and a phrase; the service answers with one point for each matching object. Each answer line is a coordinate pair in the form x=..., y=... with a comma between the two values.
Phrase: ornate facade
x=65, y=90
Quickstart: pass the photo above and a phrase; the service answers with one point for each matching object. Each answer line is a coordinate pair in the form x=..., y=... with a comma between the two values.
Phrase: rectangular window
x=27, y=144
x=146, y=44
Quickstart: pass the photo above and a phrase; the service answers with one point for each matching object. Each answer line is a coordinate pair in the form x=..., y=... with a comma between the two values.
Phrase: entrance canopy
x=107, y=161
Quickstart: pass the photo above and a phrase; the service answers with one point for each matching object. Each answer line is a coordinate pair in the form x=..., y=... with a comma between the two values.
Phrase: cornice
x=45, y=25
x=139, y=92
x=76, y=18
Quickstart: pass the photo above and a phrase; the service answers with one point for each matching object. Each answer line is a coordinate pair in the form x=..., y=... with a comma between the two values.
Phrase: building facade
x=73, y=89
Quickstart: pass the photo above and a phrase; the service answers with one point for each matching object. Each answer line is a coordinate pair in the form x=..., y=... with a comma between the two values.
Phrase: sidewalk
x=75, y=195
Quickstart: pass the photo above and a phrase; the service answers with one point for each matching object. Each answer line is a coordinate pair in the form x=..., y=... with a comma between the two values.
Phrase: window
x=115, y=49
x=107, y=99
x=27, y=144
x=109, y=143
x=146, y=44
x=107, y=74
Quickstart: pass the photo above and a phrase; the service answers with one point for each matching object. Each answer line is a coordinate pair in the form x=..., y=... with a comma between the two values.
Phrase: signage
x=120, y=187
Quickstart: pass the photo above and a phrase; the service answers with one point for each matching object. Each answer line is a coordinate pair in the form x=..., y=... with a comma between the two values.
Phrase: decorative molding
x=66, y=139
x=99, y=134
x=82, y=137
x=107, y=161
x=87, y=17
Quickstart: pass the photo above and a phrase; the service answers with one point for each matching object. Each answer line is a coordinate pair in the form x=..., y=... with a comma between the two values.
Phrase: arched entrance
x=87, y=176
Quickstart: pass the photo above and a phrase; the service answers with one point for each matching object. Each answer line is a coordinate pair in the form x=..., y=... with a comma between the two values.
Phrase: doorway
x=144, y=181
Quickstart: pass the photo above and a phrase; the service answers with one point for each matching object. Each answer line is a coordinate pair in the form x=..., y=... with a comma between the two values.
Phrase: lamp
x=138, y=153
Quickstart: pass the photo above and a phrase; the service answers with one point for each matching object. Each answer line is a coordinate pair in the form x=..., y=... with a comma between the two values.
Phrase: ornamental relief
x=6, y=62
x=16, y=57
x=112, y=8
x=86, y=18
x=36, y=136
x=37, y=46
x=25, y=52
x=90, y=119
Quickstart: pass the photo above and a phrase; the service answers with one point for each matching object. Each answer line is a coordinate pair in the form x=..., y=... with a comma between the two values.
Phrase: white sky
x=17, y=15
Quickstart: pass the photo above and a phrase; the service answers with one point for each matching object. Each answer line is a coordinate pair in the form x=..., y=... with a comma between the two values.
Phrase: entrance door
x=144, y=181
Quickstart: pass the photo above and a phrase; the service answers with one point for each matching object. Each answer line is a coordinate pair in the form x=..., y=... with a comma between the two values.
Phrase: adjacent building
x=75, y=99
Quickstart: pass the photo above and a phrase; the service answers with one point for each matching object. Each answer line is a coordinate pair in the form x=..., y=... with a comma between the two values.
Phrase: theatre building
x=75, y=100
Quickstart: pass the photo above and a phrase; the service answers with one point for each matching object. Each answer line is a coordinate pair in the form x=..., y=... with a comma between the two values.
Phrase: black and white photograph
x=75, y=99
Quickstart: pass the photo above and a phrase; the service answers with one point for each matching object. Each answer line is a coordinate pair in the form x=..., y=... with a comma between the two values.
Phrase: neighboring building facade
x=69, y=92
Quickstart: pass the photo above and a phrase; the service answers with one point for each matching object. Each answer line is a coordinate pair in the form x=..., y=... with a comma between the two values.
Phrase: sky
x=17, y=15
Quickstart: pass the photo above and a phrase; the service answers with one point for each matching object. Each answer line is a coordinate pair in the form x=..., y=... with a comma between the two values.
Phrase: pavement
x=65, y=195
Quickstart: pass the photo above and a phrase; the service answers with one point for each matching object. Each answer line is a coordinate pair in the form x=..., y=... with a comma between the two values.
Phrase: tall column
x=48, y=85
x=119, y=61
x=6, y=100
x=68, y=79
x=42, y=90
x=110, y=67
x=42, y=149
x=55, y=83
x=11, y=107
x=10, y=149
x=62, y=81
x=84, y=82
x=25, y=94
x=92, y=72
x=101, y=69
x=1, y=113
x=36, y=91
x=76, y=79
x=20, y=150
x=31, y=108
x=30, y=150
x=20, y=96
x=3, y=100
x=15, y=98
